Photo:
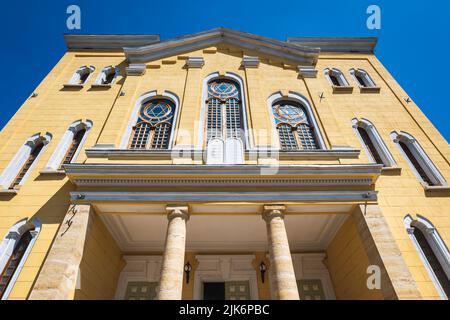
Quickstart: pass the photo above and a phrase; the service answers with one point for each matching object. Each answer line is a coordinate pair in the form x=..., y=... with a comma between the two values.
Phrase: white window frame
x=248, y=143
x=150, y=95
x=74, y=80
x=436, y=243
x=295, y=97
x=9, y=243
x=368, y=81
x=377, y=141
x=422, y=158
x=338, y=74
x=57, y=157
x=104, y=74
x=16, y=164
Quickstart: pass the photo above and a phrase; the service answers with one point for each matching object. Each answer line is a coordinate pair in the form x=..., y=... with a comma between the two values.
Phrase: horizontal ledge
x=391, y=170
x=342, y=89
x=369, y=89
x=98, y=85
x=73, y=85
x=174, y=153
x=436, y=188
x=242, y=169
x=52, y=171
x=260, y=197
x=8, y=191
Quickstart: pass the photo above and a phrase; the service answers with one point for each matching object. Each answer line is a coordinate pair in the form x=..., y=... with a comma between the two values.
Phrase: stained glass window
x=294, y=128
x=154, y=125
x=369, y=144
x=224, y=118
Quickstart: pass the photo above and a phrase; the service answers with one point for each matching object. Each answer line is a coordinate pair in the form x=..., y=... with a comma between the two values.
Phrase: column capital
x=177, y=210
x=273, y=211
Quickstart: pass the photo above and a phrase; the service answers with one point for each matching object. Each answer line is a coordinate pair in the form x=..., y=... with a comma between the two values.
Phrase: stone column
x=61, y=270
x=282, y=269
x=171, y=284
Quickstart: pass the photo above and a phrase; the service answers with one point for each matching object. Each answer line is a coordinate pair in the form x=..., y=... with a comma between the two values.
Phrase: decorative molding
x=364, y=44
x=250, y=62
x=229, y=196
x=307, y=71
x=220, y=170
x=110, y=41
x=229, y=182
x=195, y=62
x=135, y=69
x=280, y=49
x=107, y=152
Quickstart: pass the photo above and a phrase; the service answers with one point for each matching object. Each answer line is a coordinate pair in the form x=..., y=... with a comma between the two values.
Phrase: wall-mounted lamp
x=187, y=270
x=262, y=269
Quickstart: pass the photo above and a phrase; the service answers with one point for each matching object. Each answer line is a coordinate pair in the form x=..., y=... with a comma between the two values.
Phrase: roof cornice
x=293, y=52
x=109, y=41
x=363, y=44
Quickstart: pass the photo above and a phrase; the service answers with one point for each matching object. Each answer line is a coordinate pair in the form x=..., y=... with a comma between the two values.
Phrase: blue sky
x=413, y=35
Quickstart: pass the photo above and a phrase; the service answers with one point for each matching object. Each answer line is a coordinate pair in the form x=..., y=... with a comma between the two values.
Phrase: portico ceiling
x=222, y=233
x=222, y=228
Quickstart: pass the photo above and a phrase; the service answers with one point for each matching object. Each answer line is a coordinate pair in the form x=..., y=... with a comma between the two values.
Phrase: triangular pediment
x=298, y=54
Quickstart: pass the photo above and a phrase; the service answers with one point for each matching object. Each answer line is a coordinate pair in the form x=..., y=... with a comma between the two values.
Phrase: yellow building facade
x=222, y=165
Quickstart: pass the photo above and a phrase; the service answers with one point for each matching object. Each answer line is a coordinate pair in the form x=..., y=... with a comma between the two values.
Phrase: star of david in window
x=288, y=113
x=223, y=89
x=157, y=111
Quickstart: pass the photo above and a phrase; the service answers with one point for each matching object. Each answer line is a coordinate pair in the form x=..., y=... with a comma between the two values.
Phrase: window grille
x=31, y=158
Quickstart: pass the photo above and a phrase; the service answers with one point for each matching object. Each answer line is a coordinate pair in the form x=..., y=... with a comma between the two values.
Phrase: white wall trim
x=79, y=72
x=11, y=171
x=377, y=141
x=149, y=95
x=57, y=157
x=138, y=268
x=101, y=78
x=223, y=268
x=422, y=158
x=339, y=75
x=368, y=81
x=298, y=98
x=249, y=143
x=9, y=243
x=437, y=245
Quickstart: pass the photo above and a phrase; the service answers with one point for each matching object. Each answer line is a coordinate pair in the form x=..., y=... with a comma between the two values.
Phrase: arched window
x=107, y=76
x=225, y=133
x=336, y=77
x=362, y=78
x=373, y=144
x=433, y=252
x=81, y=76
x=14, y=250
x=70, y=145
x=20, y=166
x=154, y=125
x=418, y=160
x=294, y=125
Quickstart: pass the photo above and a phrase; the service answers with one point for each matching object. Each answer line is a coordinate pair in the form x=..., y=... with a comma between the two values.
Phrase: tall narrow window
x=224, y=110
x=372, y=143
x=433, y=251
x=107, y=76
x=20, y=166
x=363, y=78
x=76, y=141
x=294, y=127
x=14, y=260
x=418, y=160
x=80, y=77
x=154, y=125
x=336, y=77
x=224, y=125
x=27, y=165
x=14, y=250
